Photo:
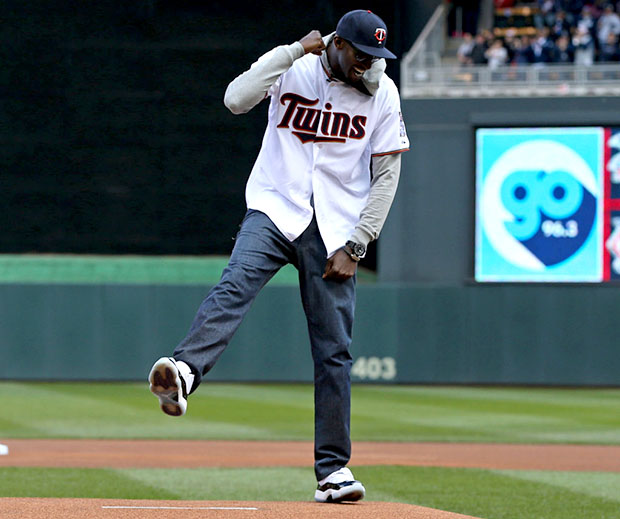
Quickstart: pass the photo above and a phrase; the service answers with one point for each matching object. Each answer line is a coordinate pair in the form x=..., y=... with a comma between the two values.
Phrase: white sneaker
x=170, y=380
x=339, y=486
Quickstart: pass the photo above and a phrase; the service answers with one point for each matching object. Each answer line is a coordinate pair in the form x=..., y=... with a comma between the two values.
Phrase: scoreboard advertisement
x=547, y=204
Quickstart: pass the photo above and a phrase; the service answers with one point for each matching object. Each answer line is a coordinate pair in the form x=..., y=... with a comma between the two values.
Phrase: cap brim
x=376, y=52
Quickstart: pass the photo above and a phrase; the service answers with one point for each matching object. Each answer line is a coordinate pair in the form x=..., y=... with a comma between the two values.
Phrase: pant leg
x=260, y=251
x=329, y=307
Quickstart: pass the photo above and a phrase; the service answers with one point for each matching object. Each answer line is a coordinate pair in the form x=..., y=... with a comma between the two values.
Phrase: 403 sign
x=374, y=368
x=539, y=203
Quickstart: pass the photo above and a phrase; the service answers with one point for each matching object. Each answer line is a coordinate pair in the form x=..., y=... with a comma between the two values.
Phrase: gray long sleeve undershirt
x=251, y=87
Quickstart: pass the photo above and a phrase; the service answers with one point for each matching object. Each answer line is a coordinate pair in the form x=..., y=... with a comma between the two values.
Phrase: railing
x=429, y=46
x=509, y=81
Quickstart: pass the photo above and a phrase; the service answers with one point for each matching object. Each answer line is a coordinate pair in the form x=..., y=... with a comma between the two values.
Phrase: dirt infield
x=192, y=454
x=39, y=508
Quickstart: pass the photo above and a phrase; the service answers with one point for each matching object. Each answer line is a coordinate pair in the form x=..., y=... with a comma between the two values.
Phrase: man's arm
x=386, y=173
x=251, y=87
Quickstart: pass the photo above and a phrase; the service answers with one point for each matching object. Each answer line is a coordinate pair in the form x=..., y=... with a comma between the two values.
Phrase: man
x=479, y=49
x=463, y=53
x=542, y=48
x=608, y=23
x=312, y=201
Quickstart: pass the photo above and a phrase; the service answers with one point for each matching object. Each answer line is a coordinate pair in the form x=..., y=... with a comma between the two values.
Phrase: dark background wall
x=113, y=134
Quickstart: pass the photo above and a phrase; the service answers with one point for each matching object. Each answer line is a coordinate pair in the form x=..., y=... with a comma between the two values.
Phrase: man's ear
x=338, y=42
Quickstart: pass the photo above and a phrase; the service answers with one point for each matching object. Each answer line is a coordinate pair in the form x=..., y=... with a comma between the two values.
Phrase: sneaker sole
x=166, y=385
x=350, y=493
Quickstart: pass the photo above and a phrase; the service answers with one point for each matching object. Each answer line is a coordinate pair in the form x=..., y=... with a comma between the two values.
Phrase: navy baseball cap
x=366, y=31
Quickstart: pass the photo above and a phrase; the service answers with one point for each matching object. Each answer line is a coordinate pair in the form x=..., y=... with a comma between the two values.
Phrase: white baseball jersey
x=316, y=151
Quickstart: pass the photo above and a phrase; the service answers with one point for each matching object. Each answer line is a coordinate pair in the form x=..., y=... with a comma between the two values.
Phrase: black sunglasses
x=360, y=56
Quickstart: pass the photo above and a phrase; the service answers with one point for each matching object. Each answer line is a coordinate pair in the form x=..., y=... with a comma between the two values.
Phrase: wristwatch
x=356, y=251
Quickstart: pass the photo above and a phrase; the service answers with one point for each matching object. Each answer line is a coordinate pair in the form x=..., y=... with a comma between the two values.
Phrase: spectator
x=522, y=50
x=560, y=26
x=564, y=51
x=479, y=49
x=609, y=51
x=542, y=48
x=608, y=23
x=584, y=47
x=547, y=13
x=496, y=54
x=463, y=53
x=509, y=43
x=586, y=20
x=564, y=54
x=597, y=7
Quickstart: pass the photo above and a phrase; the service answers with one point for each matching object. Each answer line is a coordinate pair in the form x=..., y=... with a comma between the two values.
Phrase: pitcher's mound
x=44, y=508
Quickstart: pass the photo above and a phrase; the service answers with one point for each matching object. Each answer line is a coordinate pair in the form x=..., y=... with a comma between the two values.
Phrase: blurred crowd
x=566, y=31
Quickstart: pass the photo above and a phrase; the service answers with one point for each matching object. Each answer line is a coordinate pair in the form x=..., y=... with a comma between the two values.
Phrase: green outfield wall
x=560, y=335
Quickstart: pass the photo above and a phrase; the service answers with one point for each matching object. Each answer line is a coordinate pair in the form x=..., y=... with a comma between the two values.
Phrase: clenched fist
x=313, y=42
x=340, y=267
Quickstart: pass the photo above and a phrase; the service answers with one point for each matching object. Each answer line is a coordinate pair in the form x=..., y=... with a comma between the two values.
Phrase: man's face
x=350, y=63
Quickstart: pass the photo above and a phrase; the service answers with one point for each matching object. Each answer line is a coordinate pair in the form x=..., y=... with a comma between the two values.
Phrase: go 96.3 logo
x=538, y=205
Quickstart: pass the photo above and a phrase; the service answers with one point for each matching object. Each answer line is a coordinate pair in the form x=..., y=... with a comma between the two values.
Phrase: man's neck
x=327, y=58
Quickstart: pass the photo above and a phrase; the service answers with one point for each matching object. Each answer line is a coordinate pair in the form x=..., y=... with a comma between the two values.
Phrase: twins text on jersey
x=310, y=124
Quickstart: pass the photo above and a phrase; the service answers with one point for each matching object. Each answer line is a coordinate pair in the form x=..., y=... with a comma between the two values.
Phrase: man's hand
x=340, y=267
x=313, y=42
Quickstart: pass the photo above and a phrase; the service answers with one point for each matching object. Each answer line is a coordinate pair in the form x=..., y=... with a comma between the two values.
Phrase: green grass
x=480, y=493
x=129, y=269
x=132, y=269
x=285, y=412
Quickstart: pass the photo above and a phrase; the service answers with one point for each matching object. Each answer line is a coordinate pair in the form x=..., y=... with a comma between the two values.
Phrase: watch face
x=359, y=249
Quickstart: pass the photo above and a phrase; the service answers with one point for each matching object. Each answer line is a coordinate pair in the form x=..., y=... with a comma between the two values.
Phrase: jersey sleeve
x=262, y=78
x=390, y=133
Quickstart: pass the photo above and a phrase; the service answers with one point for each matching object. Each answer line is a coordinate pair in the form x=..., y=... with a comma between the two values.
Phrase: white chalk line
x=180, y=507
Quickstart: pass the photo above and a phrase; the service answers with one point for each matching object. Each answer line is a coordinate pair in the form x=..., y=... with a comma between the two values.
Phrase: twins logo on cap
x=366, y=32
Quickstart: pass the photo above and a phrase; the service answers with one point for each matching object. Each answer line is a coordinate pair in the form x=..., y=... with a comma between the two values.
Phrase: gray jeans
x=260, y=251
